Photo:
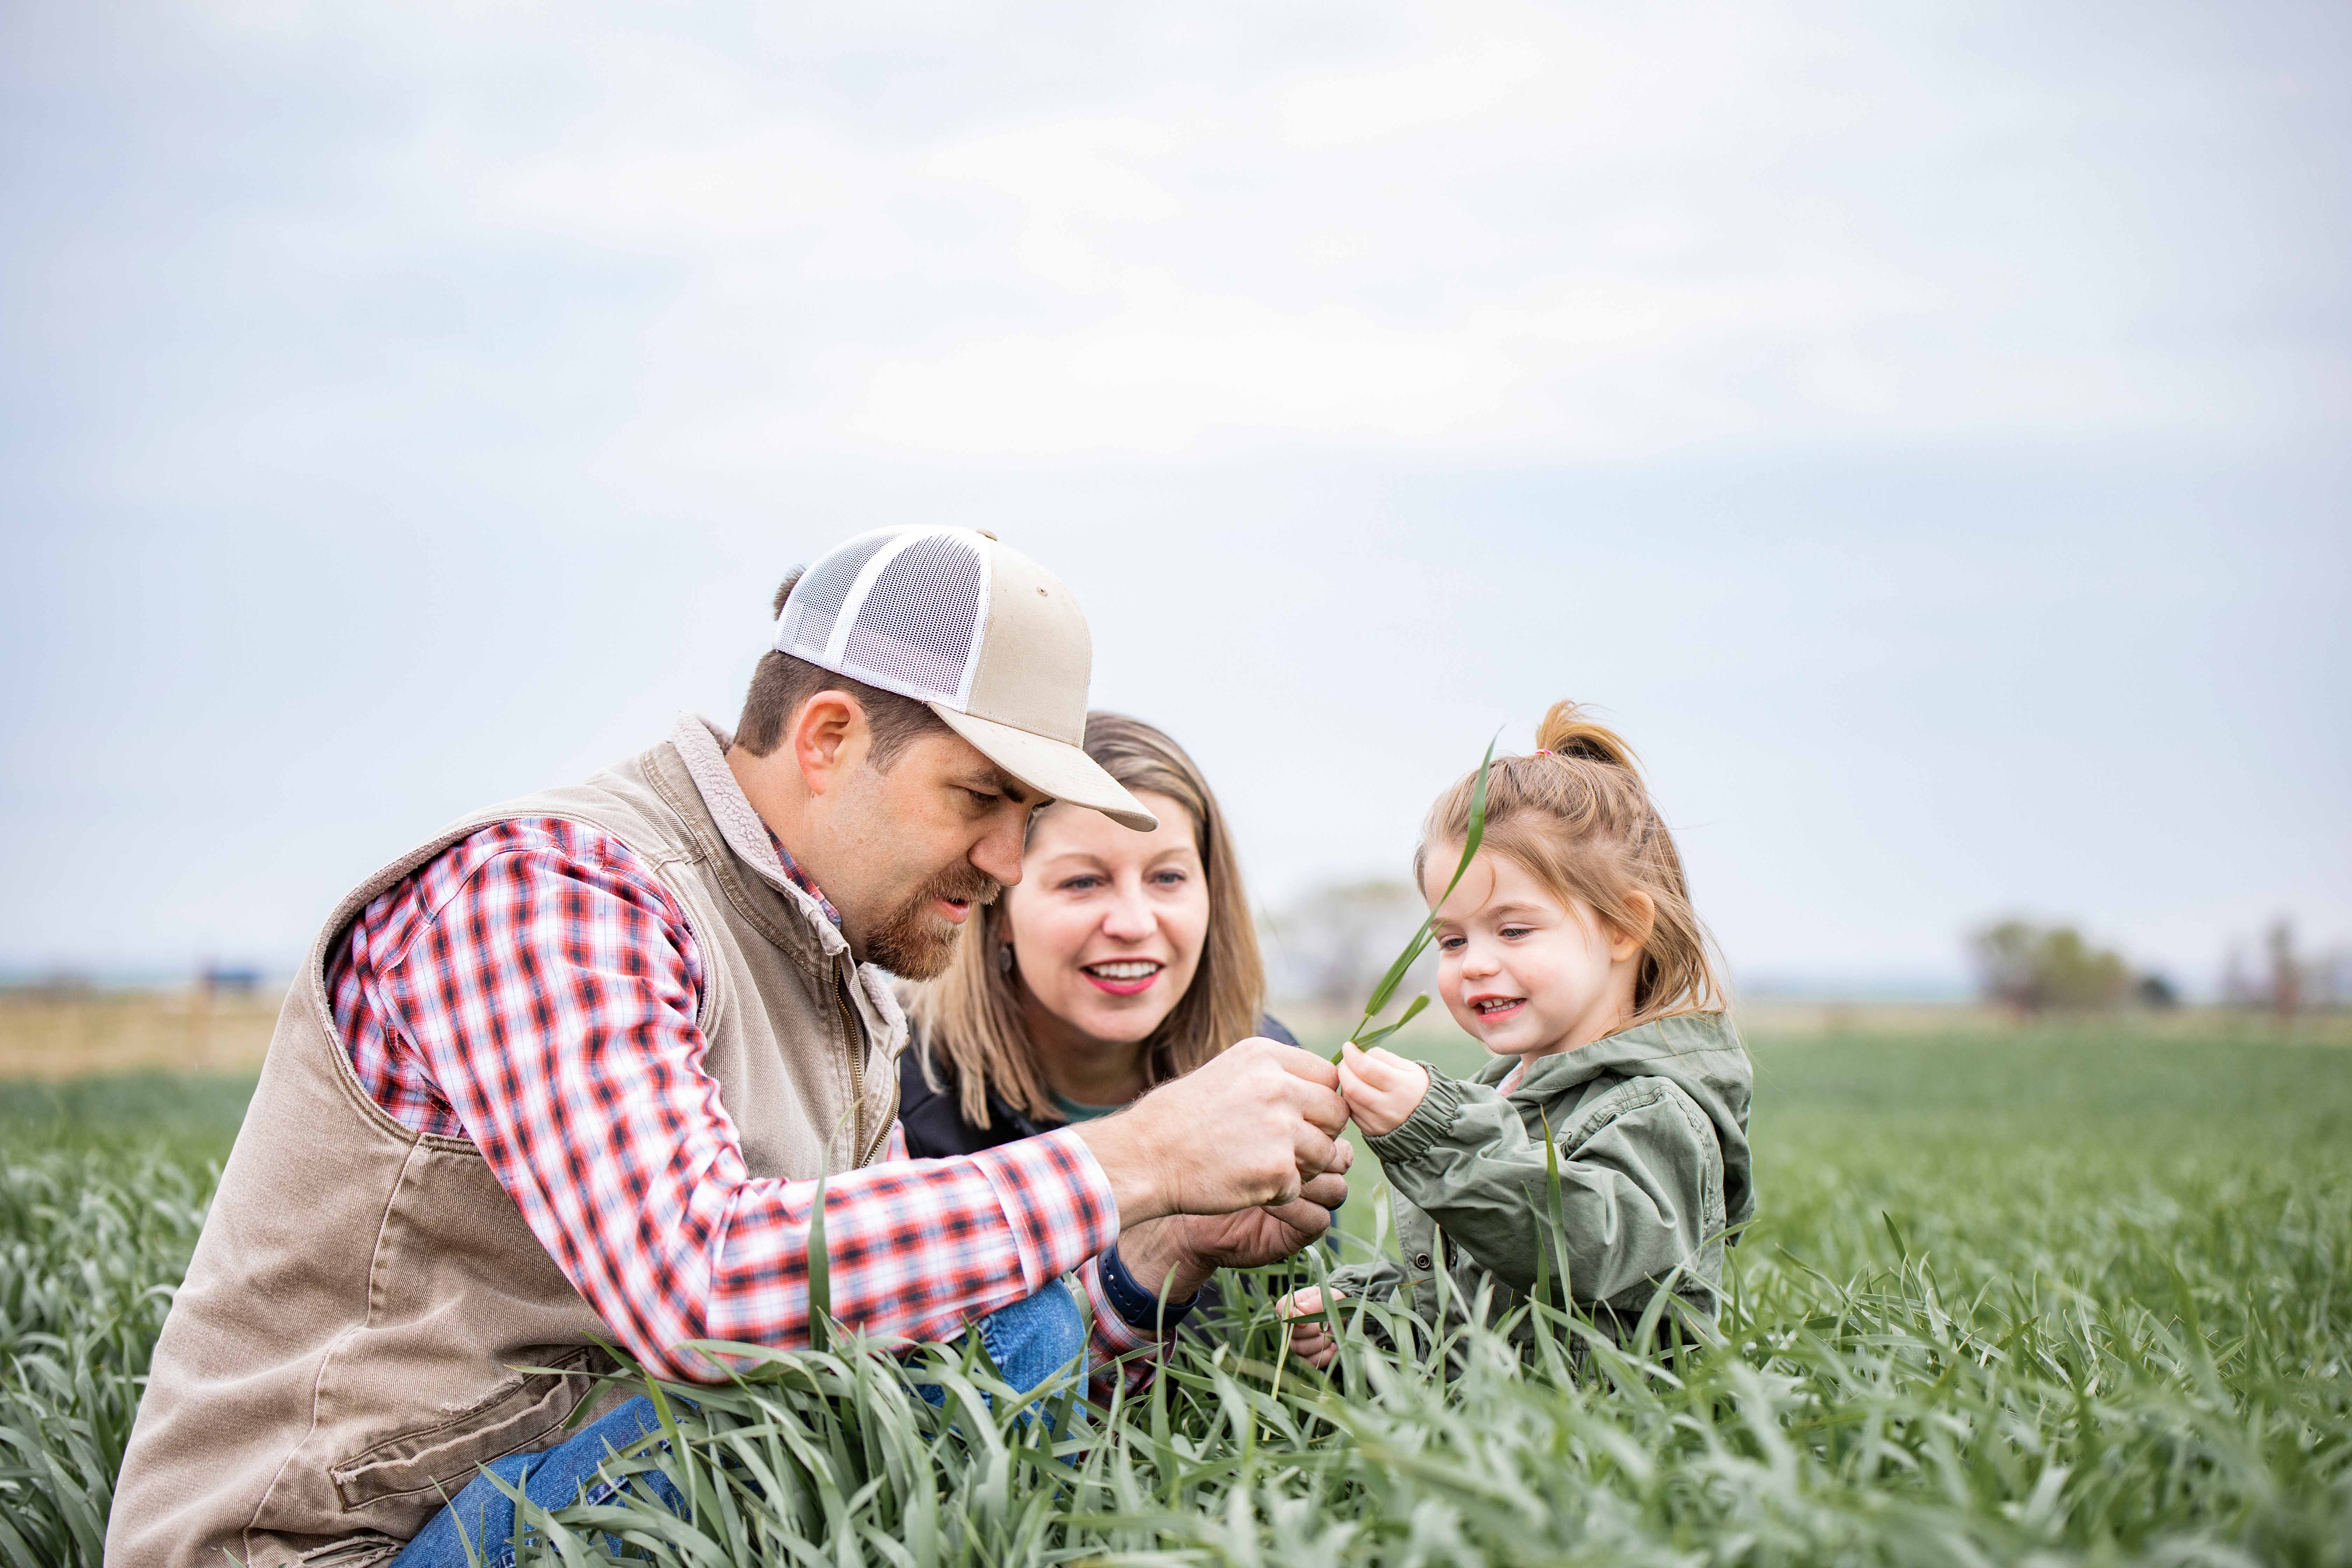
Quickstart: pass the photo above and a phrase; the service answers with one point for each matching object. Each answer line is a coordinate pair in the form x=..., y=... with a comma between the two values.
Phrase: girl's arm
x=1635, y=1167
x=1377, y=1280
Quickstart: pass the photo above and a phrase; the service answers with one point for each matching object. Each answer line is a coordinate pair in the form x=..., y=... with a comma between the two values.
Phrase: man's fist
x=1179, y=1252
x=1381, y=1086
x=1252, y=1125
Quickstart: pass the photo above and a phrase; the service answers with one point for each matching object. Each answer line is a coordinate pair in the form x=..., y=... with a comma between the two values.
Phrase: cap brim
x=1050, y=767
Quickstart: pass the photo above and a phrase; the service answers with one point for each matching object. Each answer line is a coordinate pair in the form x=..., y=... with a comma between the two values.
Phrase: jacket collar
x=1671, y=1048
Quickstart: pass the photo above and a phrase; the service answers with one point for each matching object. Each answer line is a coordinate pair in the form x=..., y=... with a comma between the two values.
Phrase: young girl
x=1571, y=950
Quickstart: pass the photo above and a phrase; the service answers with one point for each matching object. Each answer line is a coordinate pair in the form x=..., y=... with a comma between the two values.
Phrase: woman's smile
x=1124, y=976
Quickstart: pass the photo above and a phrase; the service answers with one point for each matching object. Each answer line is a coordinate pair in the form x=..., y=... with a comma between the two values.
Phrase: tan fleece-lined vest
x=341, y=1356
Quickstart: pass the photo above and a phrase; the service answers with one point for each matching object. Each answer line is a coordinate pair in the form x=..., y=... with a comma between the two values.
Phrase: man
x=566, y=1073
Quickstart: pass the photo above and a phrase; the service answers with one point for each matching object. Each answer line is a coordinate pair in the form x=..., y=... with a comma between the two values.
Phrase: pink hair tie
x=1545, y=751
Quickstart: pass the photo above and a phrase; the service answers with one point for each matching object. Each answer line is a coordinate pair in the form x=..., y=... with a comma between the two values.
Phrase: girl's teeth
x=1122, y=971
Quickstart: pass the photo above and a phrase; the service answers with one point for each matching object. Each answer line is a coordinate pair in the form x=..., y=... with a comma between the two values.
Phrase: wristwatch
x=1137, y=1306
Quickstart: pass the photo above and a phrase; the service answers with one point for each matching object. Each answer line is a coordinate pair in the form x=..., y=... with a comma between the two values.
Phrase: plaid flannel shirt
x=534, y=988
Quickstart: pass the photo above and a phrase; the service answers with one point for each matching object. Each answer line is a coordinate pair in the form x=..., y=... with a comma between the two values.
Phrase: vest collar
x=702, y=746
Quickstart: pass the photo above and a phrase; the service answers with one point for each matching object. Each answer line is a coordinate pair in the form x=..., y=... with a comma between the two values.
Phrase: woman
x=1119, y=961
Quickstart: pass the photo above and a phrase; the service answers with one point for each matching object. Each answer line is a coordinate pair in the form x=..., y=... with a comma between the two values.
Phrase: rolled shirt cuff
x=1059, y=1201
x=1113, y=1332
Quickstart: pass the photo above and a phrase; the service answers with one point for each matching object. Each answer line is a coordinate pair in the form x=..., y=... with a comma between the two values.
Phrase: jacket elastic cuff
x=1431, y=1121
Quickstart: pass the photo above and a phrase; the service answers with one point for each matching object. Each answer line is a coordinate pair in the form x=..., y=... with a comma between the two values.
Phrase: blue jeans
x=1029, y=1342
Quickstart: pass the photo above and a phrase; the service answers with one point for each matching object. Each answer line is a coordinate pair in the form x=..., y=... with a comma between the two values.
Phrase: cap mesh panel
x=914, y=631
x=817, y=599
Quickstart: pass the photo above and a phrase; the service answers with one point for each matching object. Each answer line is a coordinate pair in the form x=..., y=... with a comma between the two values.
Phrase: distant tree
x=2237, y=990
x=2155, y=991
x=2286, y=975
x=2030, y=969
x=2004, y=959
x=2286, y=983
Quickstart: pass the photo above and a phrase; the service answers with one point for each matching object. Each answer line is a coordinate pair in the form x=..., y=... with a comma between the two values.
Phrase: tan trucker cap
x=984, y=636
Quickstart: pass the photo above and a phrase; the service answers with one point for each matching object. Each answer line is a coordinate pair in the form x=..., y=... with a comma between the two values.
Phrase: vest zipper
x=856, y=1038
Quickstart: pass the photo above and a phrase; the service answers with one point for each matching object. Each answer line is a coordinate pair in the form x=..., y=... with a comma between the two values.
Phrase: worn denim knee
x=1030, y=1341
x=478, y=1528
x=1035, y=1337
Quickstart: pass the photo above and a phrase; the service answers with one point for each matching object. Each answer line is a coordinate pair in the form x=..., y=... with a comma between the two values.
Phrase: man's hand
x=1310, y=1339
x=1172, y=1257
x=1381, y=1086
x=1253, y=1126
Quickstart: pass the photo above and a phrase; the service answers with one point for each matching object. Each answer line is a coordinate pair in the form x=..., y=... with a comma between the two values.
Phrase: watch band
x=1141, y=1308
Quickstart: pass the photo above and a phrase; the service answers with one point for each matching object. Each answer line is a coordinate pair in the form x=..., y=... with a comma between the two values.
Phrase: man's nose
x=999, y=852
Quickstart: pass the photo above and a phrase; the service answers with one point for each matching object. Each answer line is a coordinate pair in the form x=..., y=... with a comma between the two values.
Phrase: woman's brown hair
x=1577, y=817
x=969, y=1019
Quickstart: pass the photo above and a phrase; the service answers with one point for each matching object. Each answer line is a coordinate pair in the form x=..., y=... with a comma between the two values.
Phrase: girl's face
x=1524, y=972
x=1108, y=923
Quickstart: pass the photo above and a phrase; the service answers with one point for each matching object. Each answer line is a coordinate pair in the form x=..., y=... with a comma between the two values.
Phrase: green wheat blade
x=1386, y=989
x=1412, y=1011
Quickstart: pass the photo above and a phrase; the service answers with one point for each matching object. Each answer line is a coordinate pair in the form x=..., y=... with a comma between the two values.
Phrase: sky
x=1922, y=431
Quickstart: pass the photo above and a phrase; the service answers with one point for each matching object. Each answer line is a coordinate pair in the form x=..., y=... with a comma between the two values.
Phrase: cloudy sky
x=1923, y=429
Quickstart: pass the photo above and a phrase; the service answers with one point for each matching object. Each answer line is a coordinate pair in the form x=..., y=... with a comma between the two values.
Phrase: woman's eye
x=1170, y=878
x=1081, y=884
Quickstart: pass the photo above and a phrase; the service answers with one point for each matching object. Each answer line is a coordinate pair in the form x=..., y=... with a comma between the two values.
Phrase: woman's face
x=1108, y=923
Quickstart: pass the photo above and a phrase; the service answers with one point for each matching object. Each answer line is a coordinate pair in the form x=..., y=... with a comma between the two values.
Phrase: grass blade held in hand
x=1412, y=1011
x=1386, y=989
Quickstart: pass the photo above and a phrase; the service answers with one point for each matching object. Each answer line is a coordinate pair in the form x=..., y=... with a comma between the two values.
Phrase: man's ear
x=1624, y=944
x=827, y=738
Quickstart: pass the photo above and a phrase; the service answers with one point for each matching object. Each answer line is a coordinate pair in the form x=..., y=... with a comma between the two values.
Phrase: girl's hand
x=1310, y=1341
x=1381, y=1086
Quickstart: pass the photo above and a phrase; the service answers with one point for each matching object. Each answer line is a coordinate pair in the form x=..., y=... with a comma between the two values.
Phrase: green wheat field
x=2063, y=1295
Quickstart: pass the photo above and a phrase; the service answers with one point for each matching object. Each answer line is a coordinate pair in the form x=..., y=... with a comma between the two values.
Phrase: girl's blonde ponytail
x=1564, y=733
x=1577, y=816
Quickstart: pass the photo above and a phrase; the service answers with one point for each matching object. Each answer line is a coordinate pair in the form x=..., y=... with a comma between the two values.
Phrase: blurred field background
x=54, y=1038
x=2074, y=1291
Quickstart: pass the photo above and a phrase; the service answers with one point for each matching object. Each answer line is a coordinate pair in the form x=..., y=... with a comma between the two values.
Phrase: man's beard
x=917, y=942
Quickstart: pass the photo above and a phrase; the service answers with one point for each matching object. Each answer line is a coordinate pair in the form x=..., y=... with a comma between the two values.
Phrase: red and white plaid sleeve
x=534, y=989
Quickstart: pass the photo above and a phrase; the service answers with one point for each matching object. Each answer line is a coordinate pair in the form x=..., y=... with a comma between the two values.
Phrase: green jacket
x=1650, y=1127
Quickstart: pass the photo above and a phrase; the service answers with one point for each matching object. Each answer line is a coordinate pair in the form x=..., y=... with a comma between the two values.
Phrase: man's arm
x=552, y=997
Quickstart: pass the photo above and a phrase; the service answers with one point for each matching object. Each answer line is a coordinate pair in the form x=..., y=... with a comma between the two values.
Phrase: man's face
x=917, y=848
